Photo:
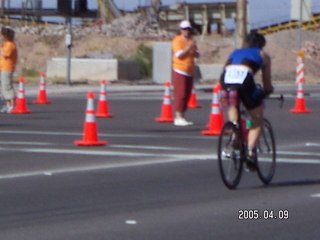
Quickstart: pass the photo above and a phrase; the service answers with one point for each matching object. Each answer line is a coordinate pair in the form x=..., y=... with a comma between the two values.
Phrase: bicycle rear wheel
x=229, y=155
x=266, y=153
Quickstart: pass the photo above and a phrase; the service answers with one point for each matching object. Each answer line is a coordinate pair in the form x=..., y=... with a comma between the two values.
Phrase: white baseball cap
x=185, y=24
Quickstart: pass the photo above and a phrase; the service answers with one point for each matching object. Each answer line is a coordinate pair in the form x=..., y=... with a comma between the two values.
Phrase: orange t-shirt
x=8, y=57
x=185, y=64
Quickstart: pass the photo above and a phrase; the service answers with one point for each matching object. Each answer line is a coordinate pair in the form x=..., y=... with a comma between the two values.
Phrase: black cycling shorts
x=246, y=91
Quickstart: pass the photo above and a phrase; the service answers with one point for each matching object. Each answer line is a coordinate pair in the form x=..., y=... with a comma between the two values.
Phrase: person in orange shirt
x=8, y=60
x=184, y=51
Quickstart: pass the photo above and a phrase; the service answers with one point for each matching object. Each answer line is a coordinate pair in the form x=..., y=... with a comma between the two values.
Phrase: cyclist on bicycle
x=238, y=74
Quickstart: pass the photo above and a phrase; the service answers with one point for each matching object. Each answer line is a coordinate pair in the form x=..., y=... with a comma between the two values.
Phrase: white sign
x=68, y=40
x=235, y=74
x=300, y=7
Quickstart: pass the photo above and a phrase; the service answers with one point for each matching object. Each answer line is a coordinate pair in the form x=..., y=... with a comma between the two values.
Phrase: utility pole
x=2, y=7
x=241, y=22
x=300, y=25
x=68, y=42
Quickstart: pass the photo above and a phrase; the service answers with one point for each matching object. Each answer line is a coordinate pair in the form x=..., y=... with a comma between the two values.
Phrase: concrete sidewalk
x=62, y=89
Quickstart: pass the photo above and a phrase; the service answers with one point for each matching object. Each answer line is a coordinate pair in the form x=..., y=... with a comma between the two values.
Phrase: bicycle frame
x=232, y=150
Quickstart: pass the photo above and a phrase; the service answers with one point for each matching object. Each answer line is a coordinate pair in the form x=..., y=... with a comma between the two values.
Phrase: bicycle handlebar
x=279, y=98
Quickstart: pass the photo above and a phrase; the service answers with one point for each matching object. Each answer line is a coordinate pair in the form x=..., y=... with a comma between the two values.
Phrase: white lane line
x=109, y=153
x=25, y=143
x=109, y=135
x=315, y=195
x=298, y=153
x=80, y=152
x=299, y=161
x=91, y=168
x=109, y=146
x=201, y=156
x=312, y=144
x=165, y=159
x=131, y=222
x=40, y=133
x=150, y=147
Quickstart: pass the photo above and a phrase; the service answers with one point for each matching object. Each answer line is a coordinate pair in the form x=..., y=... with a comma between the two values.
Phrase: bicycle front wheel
x=229, y=155
x=266, y=153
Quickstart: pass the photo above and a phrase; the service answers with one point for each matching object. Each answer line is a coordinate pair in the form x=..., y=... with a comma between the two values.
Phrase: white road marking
x=131, y=222
x=40, y=133
x=164, y=159
x=150, y=147
x=109, y=153
x=299, y=153
x=312, y=144
x=316, y=195
x=24, y=143
x=298, y=161
x=107, y=135
x=151, y=158
x=91, y=168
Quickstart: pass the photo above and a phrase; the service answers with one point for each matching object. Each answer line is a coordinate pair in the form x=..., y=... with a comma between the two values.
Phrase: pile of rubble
x=312, y=50
x=132, y=26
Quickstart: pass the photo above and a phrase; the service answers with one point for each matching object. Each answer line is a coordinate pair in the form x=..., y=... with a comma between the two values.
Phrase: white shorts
x=7, y=85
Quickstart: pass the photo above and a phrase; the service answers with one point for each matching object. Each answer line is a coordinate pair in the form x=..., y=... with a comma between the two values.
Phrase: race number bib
x=235, y=74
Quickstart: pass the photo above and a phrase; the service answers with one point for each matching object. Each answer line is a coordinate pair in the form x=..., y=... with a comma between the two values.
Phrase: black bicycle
x=232, y=150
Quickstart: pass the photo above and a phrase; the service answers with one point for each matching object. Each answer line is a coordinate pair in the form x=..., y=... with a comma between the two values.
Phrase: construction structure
x=312, y=24
x=33, y=10
x=108, y=11
x=202, y=15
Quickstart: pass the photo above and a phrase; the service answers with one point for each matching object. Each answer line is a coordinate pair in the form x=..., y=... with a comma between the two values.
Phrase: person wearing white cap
x=184, y=49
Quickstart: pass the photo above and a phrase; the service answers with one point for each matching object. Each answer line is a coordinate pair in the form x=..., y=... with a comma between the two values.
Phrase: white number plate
x=235, y=74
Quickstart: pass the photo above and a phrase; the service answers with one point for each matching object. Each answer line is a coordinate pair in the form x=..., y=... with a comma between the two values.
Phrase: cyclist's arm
x=266, y=73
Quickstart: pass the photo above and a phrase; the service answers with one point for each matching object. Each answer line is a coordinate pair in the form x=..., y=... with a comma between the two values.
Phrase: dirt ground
x=35, y=51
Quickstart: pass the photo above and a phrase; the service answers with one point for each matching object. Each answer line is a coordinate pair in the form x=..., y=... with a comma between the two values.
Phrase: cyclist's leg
x=233, y=114
x=254, y=105
x=255, y=130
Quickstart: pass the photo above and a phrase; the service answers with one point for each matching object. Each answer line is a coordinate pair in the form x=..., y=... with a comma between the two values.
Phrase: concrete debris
x=132, y=25
x=312, y=50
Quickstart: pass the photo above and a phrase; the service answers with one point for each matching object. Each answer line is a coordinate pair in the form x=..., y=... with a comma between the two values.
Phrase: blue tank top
x=250, y=57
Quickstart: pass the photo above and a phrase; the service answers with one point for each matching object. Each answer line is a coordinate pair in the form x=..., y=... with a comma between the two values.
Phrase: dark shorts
x=182, y=87
x=247, y=91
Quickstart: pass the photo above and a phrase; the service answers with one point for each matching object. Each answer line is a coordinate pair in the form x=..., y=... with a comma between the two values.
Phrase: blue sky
x=261, y=12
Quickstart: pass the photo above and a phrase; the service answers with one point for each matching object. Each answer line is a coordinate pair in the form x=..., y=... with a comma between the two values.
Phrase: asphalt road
x=153, y=180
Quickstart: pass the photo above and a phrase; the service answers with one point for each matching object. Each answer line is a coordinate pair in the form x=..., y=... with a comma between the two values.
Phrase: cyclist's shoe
x=251, y=164
x=251, y=161
x=226, y=153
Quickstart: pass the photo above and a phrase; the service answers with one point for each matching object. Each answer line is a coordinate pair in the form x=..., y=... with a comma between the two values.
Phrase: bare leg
x=179, y=114
x=11, y=102
x=254, y=132
x=233, y=114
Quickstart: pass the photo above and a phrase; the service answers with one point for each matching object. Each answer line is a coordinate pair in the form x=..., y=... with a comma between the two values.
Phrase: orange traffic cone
x=90, y=135
x=192, y=102
x=166, y=110
x=300, y=102
x=21, y=105
x=103, y=106
x=300, y=106
x=216, y=117
x=42, y=97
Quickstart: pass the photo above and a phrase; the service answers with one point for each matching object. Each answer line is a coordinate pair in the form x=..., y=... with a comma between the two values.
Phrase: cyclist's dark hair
x=255, y=39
